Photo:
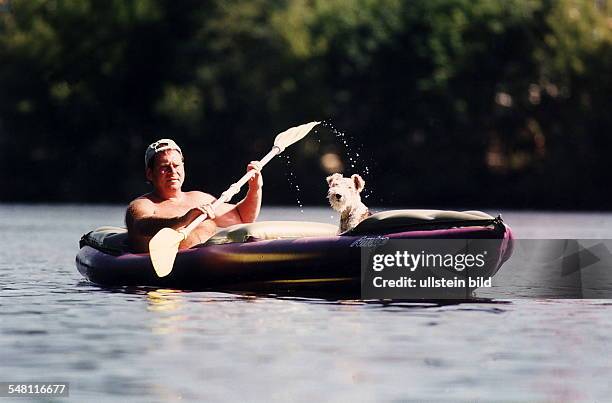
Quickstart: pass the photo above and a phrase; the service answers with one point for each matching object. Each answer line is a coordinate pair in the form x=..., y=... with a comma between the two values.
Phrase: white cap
x=159, y=146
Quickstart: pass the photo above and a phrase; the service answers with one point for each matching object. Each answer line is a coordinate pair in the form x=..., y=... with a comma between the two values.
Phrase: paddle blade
x=292, y=135
x=163, y=248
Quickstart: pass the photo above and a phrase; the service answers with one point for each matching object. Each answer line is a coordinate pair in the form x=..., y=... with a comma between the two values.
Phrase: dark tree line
x=447, y=102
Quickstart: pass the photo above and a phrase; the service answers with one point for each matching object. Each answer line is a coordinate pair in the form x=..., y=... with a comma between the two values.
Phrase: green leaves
x=504, y=89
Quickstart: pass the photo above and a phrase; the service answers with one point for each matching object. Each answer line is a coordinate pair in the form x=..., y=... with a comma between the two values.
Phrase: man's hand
x=256, y=182
x=199, y=210
x=208, y=210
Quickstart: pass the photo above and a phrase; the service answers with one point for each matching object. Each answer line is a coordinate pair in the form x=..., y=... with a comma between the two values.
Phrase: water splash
x=353, y=151
x=353, y=154
x=292, y=180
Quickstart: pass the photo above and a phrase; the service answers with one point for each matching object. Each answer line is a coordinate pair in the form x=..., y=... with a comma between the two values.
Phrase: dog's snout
x=338, y=196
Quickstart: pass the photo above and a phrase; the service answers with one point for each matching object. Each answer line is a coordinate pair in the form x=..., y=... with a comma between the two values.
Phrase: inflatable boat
x=285, y=257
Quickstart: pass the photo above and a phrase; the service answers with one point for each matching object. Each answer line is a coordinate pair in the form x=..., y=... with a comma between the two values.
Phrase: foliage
x=455, y=102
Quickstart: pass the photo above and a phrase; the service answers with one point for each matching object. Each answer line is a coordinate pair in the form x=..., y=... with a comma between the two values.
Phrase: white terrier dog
x=343, y=196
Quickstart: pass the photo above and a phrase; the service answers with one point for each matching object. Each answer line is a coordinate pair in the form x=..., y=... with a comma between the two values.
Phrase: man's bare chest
x=173, y=208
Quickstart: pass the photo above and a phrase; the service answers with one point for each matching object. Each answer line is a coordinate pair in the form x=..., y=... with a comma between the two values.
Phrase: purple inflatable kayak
x=313, y=263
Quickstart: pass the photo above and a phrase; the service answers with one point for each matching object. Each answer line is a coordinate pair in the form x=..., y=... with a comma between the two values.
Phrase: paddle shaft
x=231, y=191
x=164, y=246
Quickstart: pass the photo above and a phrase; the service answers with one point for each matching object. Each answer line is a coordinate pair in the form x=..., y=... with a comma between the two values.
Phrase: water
x=293, y=182
x=353, y=150
x=163, y=345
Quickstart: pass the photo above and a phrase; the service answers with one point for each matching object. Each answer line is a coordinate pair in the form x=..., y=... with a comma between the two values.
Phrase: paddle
x=163, y=247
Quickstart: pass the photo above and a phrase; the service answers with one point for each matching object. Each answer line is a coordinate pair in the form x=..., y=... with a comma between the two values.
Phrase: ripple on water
x=158, y=345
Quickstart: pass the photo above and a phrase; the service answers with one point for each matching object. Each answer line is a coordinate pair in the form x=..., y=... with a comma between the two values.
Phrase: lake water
x=163, y=345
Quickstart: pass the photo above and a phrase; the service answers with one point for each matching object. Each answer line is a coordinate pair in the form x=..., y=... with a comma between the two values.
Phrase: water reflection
x=163, y=300
x=166, y=345
x=166, y=301
x=169, y=299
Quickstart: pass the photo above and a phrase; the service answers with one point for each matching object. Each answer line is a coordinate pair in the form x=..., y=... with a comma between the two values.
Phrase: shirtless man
x=168, y=206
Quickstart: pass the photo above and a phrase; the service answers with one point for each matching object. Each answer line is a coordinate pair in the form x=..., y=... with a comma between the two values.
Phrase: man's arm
x=141, y=220
x=249, y=207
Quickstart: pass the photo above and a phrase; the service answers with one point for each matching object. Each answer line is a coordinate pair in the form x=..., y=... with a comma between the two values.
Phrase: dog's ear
x=331, y=178
x=358, y=181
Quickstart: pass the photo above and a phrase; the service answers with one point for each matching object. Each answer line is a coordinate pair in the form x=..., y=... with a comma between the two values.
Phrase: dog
x=343, y=196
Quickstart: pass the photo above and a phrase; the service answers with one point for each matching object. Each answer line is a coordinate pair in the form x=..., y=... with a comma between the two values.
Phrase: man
x=168, y=206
